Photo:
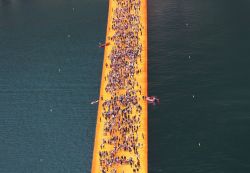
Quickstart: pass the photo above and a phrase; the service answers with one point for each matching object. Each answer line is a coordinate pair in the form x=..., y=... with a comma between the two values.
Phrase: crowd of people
x=121, y=112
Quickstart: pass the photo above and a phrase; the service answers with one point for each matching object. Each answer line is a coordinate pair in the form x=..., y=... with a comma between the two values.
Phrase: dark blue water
x=50, y=70
x=216, y=36
x=46, y=120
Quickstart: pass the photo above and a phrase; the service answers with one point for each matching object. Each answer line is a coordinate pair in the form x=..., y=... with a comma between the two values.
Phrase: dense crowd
x=122, y=112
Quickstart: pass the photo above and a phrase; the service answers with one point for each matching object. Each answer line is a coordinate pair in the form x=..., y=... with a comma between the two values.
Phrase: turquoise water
x=50, y=70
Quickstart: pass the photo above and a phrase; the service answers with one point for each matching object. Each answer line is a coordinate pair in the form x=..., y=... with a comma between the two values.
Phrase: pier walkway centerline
x=121, y=137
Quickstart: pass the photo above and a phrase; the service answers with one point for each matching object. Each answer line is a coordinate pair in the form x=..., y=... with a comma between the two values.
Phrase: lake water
x=50, y=70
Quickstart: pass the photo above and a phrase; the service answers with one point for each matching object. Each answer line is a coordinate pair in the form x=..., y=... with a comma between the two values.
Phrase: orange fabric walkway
x=141, y=78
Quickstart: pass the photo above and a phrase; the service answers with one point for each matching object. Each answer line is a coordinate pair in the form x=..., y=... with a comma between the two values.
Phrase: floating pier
x=121, y=137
